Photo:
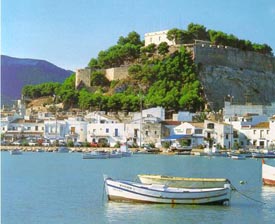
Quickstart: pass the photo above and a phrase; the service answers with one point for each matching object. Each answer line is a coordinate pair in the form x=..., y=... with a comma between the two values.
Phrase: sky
x=68, y=33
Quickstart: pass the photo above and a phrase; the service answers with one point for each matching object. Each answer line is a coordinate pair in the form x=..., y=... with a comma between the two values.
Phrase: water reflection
x=163, y=213
x=268, y=197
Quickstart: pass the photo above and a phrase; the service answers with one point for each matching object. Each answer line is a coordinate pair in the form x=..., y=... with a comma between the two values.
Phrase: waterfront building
x=76, y=129
x=21, y=128
x=220, y=134
x=106, y=134
x=190, y=132
x=271, y=136
x=55, y=130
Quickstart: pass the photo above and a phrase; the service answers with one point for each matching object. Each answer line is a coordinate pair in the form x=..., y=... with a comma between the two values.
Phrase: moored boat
x=63, y=150
x=128, y=191
x=263, y=155
x=16, y=152
x=96, y=155
x=184, y=182
x=115, y=154
x=268, y=174
x=238, y=157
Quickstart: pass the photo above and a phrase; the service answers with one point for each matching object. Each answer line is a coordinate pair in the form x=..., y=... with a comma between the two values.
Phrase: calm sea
x=64, y=188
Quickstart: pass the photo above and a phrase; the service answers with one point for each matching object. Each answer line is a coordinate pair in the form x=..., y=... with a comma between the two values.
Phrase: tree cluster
x=199, y=32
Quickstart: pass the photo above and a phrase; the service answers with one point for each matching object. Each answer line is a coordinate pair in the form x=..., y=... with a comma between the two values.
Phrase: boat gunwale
x=172, y=178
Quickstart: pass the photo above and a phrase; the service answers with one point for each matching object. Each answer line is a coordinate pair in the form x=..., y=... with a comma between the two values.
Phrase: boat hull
x=268, y=174
x=95, y=155
x=184, y=182
x=16, y=152
x=126, y=191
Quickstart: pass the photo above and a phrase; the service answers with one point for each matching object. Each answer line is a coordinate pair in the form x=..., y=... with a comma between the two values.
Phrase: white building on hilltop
x=157, y=38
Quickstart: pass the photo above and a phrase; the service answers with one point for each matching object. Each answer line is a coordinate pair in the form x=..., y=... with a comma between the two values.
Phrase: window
x=146, y=133
x=198, y=131
x=261, y=133
x=72, y=130
x=226, y=136
x=254, y=132
x=116, y=132
x=107, y=130
x=188, y=131
x=210, y=126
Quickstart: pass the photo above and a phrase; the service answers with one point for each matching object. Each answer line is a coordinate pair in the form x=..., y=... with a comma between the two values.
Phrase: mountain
x=17, y=72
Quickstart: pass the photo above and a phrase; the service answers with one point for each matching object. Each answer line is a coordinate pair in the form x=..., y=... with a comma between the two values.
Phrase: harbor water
x=64, y=188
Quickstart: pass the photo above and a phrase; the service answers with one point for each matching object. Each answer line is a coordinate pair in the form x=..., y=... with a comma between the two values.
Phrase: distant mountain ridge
x=18, y=72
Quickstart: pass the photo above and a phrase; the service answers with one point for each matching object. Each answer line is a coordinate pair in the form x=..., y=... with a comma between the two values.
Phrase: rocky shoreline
x=84, y=149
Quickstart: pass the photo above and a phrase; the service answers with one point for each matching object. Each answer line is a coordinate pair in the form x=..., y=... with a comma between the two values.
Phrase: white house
x=271, y=136
x=76, y=129
x=21, y=128
x=106, y=133
x=220, y=133
x=55, y=129
x=189, y=131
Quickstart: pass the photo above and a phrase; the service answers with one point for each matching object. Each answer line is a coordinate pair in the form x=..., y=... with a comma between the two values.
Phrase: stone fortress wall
x=248, y=77
x=117, y=73
x=83, y=76
x=232, y=57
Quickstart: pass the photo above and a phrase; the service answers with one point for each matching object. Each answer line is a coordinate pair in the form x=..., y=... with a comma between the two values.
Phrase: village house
x=190, y=132
x=20, y=128
x=221, y=134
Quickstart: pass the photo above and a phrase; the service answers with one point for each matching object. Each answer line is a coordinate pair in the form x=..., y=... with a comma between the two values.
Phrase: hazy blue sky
x=69, y=32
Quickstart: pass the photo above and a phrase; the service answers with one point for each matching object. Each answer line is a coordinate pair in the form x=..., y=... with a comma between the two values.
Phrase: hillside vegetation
x=156, y=76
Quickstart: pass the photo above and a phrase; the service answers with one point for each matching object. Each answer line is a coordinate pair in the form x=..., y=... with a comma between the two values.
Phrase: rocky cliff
x=247, y=76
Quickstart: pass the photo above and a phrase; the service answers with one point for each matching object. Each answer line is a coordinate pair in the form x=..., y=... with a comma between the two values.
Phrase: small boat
x=125, y=151
x=40, y=150
x=115, y=154
x=238, y=157
x=263, y=155
x=96, y=155
x=63, y=150
x=268, y=174
x=16, y=152
x=128, y=191
x=184, y=182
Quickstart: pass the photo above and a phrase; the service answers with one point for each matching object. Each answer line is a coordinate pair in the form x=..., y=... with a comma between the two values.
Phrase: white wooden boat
x=183, y=181
x=268, y=174
x=127, y=191
x=96, y=155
